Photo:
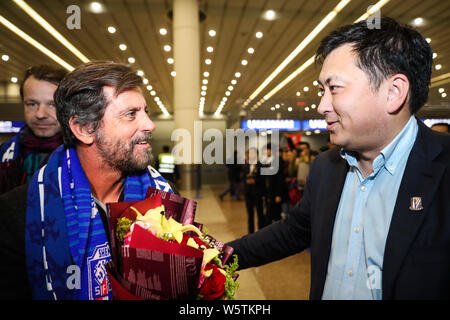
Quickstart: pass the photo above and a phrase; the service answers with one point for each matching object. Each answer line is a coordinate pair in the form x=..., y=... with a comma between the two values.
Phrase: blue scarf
x=10, y=149
x=65, y=240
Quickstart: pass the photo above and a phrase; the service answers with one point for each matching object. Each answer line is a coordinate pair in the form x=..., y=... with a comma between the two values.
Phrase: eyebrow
x=330, y=78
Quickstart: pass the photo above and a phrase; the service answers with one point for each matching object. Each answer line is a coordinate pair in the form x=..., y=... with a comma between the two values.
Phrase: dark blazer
x=416, y=261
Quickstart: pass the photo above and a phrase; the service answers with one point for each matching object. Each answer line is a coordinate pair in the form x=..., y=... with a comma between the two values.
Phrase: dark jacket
x=416, y=260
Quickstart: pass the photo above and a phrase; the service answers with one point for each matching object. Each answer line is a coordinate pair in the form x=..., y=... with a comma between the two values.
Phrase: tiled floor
x=287, y=279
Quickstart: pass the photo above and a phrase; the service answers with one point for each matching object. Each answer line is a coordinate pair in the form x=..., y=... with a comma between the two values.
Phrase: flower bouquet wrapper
x=148, y=267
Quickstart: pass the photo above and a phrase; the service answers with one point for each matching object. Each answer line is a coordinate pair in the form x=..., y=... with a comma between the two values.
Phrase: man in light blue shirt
x=363, y=218
x=375, y=210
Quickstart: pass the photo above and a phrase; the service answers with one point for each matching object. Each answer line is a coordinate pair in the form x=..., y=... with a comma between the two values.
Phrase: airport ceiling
x=138, y=25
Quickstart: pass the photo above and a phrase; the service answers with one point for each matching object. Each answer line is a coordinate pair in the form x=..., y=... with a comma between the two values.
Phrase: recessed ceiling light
x=306, y=89
x=5, y=57
x=205, y=81
x=289, y=109
x=206, y=74
x=418, y=21
x=140, y=73
x=123, y=47
x=298, y=93
x=203, y=93
x=315, y=83
x=96, y=7
x=145, y=81
x=170, y=61
x=313, y=106
x=149, y=87
x=167, y=48
x=306, y=109
x=212, y=33
x=131, y=60
x=210, y=49
x=153, y=93
x=443, y=95
x=428, y=40
x=230, y=88
x=208, y=61
x=244, y=62
x=237, y=74
x=111, y=29
x=227, y=93
x=233, y=81
x=438, y=67
x=156, y=99
x=269, y=15
x=259, y=34
x=441, y=90
x=14, y=79
x=250, y=50
x=163, y=31
x=434, y=55
x=204, y=88
x=272, y=108
x=173, y=73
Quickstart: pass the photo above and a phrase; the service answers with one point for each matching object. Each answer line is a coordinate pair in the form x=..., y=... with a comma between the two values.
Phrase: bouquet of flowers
x=160, y=253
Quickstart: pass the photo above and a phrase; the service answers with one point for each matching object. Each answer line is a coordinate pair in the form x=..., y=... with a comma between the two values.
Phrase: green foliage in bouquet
x=123, y=227
x=231, y=286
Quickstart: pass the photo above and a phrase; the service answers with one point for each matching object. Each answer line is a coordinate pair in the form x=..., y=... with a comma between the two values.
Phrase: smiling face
x=355, y=113
x=39, y=108
x=123, y=138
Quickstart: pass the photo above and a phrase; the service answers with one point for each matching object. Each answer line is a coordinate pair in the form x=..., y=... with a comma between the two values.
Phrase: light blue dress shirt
x=362, y=221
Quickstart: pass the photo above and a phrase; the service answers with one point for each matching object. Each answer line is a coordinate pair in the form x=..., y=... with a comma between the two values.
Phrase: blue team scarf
x=66, y=244
x=10, y=149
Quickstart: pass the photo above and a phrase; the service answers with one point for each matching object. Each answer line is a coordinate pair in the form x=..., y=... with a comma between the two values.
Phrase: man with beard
x=29, y=150
x=59, y=221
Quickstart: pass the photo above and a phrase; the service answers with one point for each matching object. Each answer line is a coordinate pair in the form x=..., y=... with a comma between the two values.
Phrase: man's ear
x=82, y=132
x=398, y=93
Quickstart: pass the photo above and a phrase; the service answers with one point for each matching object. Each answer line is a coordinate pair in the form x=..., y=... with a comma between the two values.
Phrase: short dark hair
x=393, y=48
x=43, y=72
x=80, y=94
x=305, y=143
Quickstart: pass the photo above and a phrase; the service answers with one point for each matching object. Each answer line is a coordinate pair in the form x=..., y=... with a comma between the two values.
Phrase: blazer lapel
x=420, y=179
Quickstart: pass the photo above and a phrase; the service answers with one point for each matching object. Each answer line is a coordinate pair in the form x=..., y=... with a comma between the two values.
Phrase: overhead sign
x=271, y=124
x=430, y=122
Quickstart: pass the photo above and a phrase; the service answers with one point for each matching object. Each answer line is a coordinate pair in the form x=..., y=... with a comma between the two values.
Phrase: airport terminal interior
x=234, y=67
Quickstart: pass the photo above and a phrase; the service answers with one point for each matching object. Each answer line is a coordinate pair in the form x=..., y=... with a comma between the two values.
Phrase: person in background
x=375, y=211
x=29, y=150
x=441, y=127
x=276, y=188
x=254, y=190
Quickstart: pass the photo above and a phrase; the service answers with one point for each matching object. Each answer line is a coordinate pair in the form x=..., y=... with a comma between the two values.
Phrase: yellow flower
x=167, y=229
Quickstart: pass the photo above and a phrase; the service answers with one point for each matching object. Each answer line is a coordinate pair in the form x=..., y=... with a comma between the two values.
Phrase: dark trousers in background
x=253, y=201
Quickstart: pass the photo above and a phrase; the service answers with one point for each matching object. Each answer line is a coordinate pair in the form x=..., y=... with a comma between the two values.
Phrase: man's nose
x=148, y=124
x=41, y=111
x=325, y=104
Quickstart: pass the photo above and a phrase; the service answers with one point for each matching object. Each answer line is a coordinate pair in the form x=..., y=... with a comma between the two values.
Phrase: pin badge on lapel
x=416, y=204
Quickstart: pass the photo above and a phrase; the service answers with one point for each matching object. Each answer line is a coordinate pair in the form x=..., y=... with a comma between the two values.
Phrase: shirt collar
x=390, y=156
